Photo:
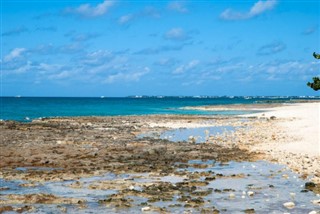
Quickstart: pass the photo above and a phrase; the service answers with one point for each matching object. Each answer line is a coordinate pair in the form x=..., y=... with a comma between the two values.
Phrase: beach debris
x=289, y=205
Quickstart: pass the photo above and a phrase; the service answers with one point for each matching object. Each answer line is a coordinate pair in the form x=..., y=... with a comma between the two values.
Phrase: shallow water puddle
x=233, y=187
x=265, y=187
x=195, y=135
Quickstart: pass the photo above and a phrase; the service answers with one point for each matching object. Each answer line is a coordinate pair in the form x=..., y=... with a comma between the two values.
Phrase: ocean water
x=28, y=108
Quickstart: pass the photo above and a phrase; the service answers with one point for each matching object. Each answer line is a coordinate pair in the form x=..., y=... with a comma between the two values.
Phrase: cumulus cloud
x=96, y=58
x=59, y=76
x=88, y=11
x=272, y=48
x=184, y=68
x=14, y=54
x=257, y=9
x=126, y=19
x=176, y=34
x=147, y=12
x=166, y=62
x=243, y=71
x=177, y=6
x=127, y=77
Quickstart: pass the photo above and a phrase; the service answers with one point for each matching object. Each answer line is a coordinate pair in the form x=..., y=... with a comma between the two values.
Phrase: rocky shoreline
x=72, y=149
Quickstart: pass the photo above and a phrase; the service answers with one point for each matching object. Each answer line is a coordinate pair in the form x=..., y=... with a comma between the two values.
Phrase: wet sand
x=125, y=170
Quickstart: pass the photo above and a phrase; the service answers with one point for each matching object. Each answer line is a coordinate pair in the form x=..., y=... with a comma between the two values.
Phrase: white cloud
x=86, y=10
x=271, y=48
x=14, y=54
x=125, y=19
x=176, y=34
x=262, y=6
x=147, y=12
x=127, y=77
x=59, y=76
x=24, y=68
x=183, y=68
x=177, y=6
x=257, y=9
x=98, y=57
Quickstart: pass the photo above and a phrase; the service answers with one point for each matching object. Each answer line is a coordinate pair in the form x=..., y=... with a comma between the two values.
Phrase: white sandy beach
x=302, y=122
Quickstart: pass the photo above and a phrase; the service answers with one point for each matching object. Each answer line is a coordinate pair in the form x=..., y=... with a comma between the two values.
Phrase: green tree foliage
x=315, y=85
x=317, y=56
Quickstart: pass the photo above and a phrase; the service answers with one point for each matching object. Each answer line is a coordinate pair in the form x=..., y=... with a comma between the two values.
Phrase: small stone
x=249, y=211
x=131, y=187
x=250, y=193
x=309, y=185
x=289, y=205
x=192, y=139
x=316, y=201
x=144, y=209
x=232, y=196
x=313, y=212
x=273, y=117
x=292, y=194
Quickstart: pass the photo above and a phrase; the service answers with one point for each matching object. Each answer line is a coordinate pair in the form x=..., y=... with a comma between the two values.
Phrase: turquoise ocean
x=29, y=108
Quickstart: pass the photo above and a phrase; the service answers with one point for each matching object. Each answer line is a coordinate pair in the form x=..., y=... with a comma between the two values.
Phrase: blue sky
x=120, y=48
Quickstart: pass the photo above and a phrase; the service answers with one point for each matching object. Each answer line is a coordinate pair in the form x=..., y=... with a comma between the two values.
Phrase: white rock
x=313, y=212
x=61, y=142
x=250, y=193
x=131, y=187
x=232, y=196
x=316, y=201
x=143, y=209
x=292, y=194
x=289, y=205
x=285, y=176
